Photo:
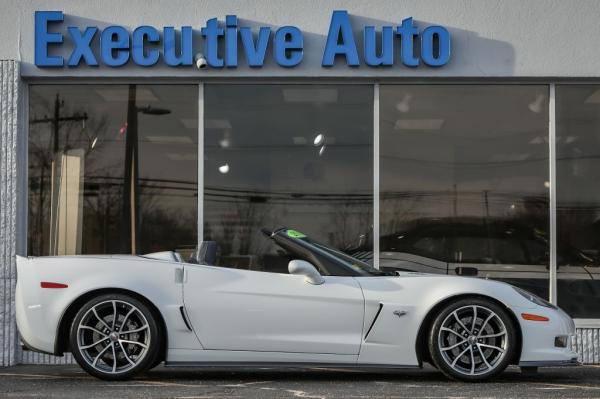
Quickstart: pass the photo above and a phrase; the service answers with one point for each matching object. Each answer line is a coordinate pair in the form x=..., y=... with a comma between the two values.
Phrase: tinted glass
x=430, y=246
x=112, y=168
x=578, y=198
x=299, y=156
x=464, y=180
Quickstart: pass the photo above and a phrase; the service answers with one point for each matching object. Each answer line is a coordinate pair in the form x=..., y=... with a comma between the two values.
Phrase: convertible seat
x=206, y=253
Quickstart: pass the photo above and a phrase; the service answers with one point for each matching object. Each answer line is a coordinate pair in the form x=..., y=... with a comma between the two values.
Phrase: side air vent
x=184, y=317
x=374, y=320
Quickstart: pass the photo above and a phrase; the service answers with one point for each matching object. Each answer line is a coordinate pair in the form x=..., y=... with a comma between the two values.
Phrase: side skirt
x=289, y=365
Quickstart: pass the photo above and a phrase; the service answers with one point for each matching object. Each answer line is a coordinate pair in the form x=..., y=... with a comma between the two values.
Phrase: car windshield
x=351, y=262
x=337, y=262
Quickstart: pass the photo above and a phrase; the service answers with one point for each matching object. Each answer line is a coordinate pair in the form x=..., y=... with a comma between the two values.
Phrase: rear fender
x=40, y=310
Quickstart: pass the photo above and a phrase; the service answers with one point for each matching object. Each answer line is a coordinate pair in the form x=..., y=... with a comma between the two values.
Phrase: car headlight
x=534, y=298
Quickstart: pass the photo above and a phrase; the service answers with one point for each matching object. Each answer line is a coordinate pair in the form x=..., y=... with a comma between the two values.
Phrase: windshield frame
x=330, y=261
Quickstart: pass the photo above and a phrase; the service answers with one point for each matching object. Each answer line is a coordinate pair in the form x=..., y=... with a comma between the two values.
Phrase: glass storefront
x=112, y=168
x=464, y=181
x=463, y=175
x=297, y=156
x=578, y=199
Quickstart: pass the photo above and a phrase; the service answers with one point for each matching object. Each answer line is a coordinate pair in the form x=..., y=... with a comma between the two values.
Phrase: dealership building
x=439, y=136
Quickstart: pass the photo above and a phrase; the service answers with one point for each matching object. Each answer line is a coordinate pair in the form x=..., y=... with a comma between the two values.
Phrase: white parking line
x=303, y=394
x=244, y=384
x=568, y=386
x=206, y=397
x=168, y=384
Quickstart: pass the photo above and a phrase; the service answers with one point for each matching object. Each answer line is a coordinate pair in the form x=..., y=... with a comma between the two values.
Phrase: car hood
x=417, y=287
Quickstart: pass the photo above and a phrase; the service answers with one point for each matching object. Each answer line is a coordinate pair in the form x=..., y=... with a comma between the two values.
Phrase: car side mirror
x=306, y=269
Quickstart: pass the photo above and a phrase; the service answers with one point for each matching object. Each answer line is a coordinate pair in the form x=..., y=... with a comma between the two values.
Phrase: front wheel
x=472, y=339
x=114, y=337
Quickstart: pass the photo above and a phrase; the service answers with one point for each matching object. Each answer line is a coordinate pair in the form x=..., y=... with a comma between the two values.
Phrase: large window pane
x=578, y=199
x=112, y=168
x=464, y=181
x=298, y=156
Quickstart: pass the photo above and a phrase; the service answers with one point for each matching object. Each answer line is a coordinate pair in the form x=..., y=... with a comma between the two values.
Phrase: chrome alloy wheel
x=473, y=340
x=113, y=336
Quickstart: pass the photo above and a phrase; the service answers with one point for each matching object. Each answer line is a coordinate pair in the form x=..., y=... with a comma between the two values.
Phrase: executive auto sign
x=146, y=45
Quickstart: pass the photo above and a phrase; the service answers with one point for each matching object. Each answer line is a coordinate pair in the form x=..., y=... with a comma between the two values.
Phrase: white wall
x=533, y=38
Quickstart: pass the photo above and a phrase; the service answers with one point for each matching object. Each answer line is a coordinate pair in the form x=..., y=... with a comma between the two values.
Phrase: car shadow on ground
x=426, y=374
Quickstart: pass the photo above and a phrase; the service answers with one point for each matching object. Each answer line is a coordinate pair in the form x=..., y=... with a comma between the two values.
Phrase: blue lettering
x=82, y=44
x=186, y=56
x=340, y=28
x=427, y=48
x=43, y=38
x=288, y=46
x=145, y=45
x=231, y=41
x=211, y=33
x=407, y=31
x=114, y=43
x=141, y=36
x=387, y=46
x=255, y=54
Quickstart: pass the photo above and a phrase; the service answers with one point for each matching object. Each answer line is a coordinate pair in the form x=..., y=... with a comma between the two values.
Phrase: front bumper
x=539, y=349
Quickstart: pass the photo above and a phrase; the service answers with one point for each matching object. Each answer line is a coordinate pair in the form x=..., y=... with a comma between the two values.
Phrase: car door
x=233, y=309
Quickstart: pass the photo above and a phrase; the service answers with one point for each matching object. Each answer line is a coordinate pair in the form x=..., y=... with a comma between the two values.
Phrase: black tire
x=472, y=351
x=94, y=342
x=157, y=362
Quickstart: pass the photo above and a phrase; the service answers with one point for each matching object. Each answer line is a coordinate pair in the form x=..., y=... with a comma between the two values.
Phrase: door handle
x=466, y=271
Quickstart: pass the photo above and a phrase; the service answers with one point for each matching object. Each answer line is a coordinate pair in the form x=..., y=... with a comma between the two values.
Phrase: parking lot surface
x=190, y=383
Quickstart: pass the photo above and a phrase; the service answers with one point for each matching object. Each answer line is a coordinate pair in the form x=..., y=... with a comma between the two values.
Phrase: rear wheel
x=115, y=336
x=472, y=339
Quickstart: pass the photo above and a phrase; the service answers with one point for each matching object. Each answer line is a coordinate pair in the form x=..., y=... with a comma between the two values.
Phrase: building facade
x=453, y=137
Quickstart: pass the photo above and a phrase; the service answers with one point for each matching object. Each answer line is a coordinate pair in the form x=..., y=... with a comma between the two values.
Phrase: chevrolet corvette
x=120, y=315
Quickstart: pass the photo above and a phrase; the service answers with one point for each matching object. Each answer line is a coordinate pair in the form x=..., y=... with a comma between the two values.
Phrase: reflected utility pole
x=487, y=203
x=130, y=237
x=455, y=200
x=130, y=214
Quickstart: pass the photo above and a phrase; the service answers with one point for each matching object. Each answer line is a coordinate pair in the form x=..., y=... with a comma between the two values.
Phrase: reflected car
x=496, y=249
x=120, y=315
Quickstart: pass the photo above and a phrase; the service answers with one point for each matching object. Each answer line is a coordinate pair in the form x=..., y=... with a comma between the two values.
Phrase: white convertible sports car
x=120, y=315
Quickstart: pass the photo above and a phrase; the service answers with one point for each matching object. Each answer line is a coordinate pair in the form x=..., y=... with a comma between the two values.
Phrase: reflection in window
x=432, y=246
x=466, y=166
x=578, y=199
x=298, y=156
x=112, y=168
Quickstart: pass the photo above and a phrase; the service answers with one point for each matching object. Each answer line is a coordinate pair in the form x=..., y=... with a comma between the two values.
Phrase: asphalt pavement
x=189, y=383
